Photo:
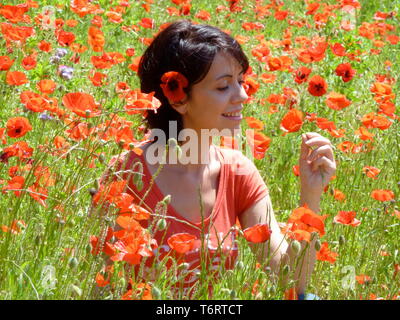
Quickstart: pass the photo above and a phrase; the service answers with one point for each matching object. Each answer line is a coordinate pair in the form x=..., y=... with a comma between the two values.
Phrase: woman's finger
x=325, y=164
x=325, y=150
x=317, y=142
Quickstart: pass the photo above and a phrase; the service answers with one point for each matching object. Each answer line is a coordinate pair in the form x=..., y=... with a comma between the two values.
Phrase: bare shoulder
x=235, y=157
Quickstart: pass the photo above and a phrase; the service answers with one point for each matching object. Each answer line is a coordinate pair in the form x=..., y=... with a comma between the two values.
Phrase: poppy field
x=70, y=104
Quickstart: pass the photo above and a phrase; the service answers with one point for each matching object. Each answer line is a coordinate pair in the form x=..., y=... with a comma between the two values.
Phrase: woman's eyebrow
x=227, y=75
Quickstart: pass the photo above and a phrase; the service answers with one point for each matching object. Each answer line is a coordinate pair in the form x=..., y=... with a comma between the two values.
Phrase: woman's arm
x=278, y=250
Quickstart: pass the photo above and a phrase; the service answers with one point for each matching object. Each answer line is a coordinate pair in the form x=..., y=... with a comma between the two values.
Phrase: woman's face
x=216, y=101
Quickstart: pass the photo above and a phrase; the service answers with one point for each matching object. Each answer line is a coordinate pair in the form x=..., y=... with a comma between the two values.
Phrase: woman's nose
x=240, y=94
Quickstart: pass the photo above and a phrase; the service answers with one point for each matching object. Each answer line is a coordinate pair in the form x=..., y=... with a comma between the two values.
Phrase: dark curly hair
x=187, y=48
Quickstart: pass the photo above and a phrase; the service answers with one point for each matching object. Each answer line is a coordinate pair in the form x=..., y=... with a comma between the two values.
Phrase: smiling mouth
x=233, y=115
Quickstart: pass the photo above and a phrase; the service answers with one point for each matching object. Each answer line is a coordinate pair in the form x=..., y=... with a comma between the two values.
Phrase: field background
x=45, y=250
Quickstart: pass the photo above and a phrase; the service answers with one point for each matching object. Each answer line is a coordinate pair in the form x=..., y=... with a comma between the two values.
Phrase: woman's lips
x=233, y=115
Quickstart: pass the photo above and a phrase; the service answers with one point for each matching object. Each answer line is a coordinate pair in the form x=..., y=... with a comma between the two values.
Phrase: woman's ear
x=180, y=107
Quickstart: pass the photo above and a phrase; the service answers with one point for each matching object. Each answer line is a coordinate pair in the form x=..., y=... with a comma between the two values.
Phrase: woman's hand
x=317, y=164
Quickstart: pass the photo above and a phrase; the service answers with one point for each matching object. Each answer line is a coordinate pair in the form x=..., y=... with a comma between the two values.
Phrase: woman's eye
x=223, y=89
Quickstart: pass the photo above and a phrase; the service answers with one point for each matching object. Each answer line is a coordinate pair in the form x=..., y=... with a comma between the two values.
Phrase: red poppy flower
x=338, y=49
x=254, y=123
x=339, y=195
x=268, y=77
x=44, y=46
x=97, y=78
x=19, y=149
x=347, y=218
x=301, y=74
x=16, y=78
x=173, y=84
x=311, y=54
x=305, y=219
x=34, y=101
x=371, y=172
x=134, y=246
x=296, y=170
x=15, y=228
x=326, y=255
x=46, y=86
x=258, y=142
x=16, y=33
x=141, y=291
x=5, y=63
x=381, y=122
x=65, y=38
x=147, y=23
x=292, y=121
x=345, y=71
x=82, y=104
x=317, y=86
x=280, y=15
x=229, y=142
x=251, y=86
x=18, y=127
x=14, y=14
x=364, y=134
x=203, y=15
x=181, y=242
x=257, y=233
x=363, y=278
x=382, y=195
x=29, y=62
x=337, y=101
x=96, y=39
x=16, y=183
x=138, y=102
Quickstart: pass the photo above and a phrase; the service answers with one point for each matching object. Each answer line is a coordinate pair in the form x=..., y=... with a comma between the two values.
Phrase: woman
x=197, y=72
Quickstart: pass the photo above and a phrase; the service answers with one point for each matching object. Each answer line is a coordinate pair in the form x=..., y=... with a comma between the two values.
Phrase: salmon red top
x=240, y=185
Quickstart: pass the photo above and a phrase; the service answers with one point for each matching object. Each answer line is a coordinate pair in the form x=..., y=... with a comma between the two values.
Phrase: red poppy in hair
x=173, y=84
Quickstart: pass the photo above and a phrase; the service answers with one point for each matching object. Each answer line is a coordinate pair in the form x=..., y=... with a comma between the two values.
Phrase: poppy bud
x=172, y=142
x=88, y=248
x=342, y=240
x=92, y=191
x=233, y=294
x=226, y=291
x=161, y=224
x=37, y=240
x=102, y=158
x=87, y=113
x=272, y=290
x=156, y=293
x=71, y=223
x=97, y=184
x=20, y=280
x=240, y=265
x=295, y=247
x=285, y=269
x=121, y=143
x=131, y=146
x=137, y=178
x=259, y=296
x=229, y=274
x=167, y=199
x=183, y=266
x=122, y=282
x=73, y=262
x=317, y=245
x=76, y=290
x=139, y=185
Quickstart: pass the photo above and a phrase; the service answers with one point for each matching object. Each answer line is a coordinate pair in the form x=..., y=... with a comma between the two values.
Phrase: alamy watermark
x=190, y=148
